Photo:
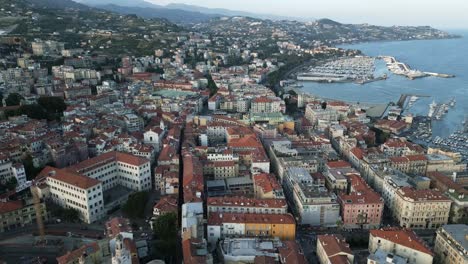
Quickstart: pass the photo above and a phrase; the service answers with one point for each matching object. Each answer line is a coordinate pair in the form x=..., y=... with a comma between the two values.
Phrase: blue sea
x=448, y=56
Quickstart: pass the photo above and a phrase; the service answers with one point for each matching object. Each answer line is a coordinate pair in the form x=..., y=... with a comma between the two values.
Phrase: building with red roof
x=415, y=164
x=419, y=209
x=267, y=186
x=237, y=204
x=221, y=225
x=361, y=207
x=402, y=242
x=333, y=249
x=89, y=253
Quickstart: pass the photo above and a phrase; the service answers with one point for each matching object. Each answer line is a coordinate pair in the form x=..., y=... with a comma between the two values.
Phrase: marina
x=444, y=57
x=438, y=111
x=457, y=141
x=359, y=69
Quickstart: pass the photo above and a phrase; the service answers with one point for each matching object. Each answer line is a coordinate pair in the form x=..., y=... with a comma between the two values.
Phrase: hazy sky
x=440, y=13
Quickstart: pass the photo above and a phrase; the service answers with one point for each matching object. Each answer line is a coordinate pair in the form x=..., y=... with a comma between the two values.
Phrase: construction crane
x=37, y=207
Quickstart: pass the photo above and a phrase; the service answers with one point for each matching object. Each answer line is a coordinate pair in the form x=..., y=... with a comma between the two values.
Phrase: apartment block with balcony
x=451, y=244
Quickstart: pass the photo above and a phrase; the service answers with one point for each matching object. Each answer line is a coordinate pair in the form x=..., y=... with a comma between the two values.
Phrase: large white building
x=311, y=202
x=81, y=186
x=403, y=243
x=451, y=244
x=73, y=190
x=10, y=170
x=117, y=168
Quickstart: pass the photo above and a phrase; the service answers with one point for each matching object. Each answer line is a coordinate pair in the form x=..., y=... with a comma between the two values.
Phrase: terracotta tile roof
x=250, y=141
x=360, y=193
x=422, y=195
x=72, y=257
x=291, y=252
x=117, y=225
x=408, y=158
x=167, y=153
x=131, y=247
x=227, y=163
x=10, y=206
x=440, y=178
x=401, y=236
x=267, y=182
x=338, y=164
x=339, y=259
x=334, y=245
x=264, y=260
x=359, y=153
x=236, y=201
x=107, y=158
x=189, y=247
x=167, y=204
x=68, y=176
x=220, y=218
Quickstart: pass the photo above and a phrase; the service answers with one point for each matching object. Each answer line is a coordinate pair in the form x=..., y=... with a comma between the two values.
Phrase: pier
x=403, y=98
x=404, y=69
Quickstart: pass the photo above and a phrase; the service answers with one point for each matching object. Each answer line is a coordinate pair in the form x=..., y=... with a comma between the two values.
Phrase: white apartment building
x=72, y=190
x=266, y=105
x=401, y=242
x=451, y=244
x=133, y=122
x=81, y=186
x=246, y=205
x=216, y=132
x=421, y=208
x=311, y=202
x=9, y=170
x=315, y=116
x=116, y=168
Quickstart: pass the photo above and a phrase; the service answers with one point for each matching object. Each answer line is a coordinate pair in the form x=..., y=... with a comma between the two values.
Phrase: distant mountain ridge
x=177, y=13
x=228, y=12
x=174, y=15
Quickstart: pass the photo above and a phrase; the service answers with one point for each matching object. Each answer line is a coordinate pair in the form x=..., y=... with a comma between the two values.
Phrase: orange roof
x=361, y=193
x=291, y=252
x=117, y=225
x=338, y=164
x=167, y=153
x=68, y=176
x=267, y=182
x=131, y=247
x=250, y=141
x=167, y=204
x=10, y=206
x=73, y=256
x=220, y=218
x=401, y=236
x=422, y=195
x=359, y=153
x=408, y=158
x=334, y=245
x=235, y=201
x=107, y=158
x=189, y=251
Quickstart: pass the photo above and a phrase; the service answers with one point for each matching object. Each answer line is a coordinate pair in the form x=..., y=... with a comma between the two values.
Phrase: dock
x=400, y=68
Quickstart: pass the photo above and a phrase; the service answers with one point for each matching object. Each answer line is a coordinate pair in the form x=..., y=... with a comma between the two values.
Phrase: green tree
x=13, y=99
x=52, y=104
x=165, y=230
x=212, y=86
x=1, y=99
x=70, y=215
x=33, y=111
x=9, y=185
x=135, y=205
x=31, y=171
